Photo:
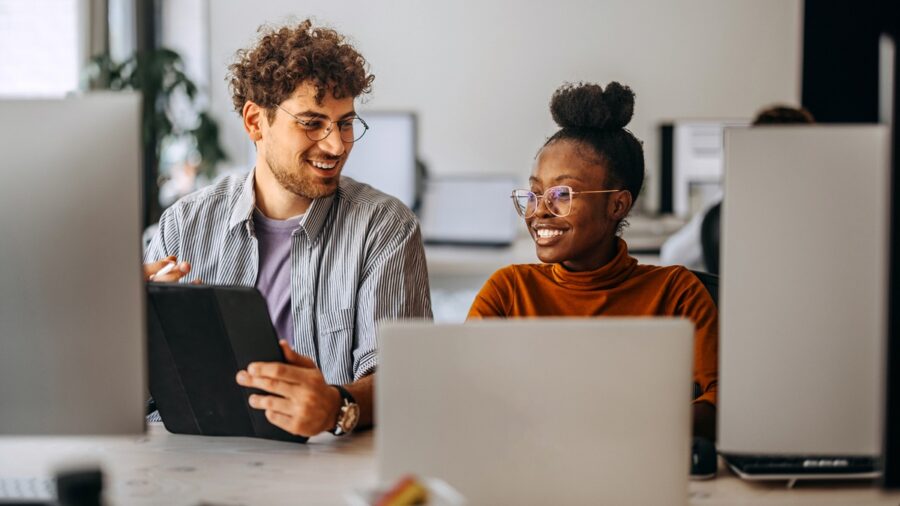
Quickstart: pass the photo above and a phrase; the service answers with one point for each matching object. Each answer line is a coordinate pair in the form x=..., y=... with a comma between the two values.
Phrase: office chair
x=703, y=451
x=710, y=230
x=711, y=283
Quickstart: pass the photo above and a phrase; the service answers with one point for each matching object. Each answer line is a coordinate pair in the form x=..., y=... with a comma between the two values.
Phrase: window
x=41, y=47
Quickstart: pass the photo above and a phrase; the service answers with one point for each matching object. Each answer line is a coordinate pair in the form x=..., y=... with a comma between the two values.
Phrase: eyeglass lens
x=350, y=130
x=557, y=199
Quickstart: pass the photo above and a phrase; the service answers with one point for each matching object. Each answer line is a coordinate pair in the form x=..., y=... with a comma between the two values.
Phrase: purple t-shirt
x=274, y=278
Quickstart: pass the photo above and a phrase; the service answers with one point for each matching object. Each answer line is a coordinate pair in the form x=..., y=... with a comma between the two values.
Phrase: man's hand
x=303, y=404
x=161, y=271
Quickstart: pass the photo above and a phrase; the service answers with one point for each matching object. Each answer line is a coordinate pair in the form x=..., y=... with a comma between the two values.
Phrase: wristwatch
x=348, y=416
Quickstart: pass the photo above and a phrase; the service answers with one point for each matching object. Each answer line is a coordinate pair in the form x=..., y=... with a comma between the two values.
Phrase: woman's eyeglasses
x=557, y=200
x=350, y=129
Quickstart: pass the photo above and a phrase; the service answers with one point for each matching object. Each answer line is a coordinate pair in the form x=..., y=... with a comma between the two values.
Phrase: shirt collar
x=242, y=212
x=313, y=220
x=609, y=275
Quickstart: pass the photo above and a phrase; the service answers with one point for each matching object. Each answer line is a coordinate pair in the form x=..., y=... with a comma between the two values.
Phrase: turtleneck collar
x=607, y=276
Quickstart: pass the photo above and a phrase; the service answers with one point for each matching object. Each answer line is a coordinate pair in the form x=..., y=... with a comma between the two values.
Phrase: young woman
x=585, y=181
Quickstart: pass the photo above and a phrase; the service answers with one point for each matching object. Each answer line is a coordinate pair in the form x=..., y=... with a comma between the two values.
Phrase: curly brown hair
x=268, y=73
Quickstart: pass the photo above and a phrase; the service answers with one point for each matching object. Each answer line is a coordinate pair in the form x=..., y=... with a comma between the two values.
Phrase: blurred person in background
x=685, y=247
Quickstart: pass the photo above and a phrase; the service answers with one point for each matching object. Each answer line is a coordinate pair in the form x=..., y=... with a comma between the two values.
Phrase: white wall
x=185, y=29
x=480, y=73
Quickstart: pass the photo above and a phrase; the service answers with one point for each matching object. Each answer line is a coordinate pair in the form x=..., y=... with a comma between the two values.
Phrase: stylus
x=165, y=270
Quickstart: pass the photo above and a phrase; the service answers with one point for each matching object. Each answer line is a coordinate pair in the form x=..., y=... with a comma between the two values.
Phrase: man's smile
x=323, y=168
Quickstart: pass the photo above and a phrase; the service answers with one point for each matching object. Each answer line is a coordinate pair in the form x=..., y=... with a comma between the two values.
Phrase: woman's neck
x=602, y=256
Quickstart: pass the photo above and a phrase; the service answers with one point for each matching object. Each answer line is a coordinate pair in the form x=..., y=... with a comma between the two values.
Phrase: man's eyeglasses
x=557, y=200
x=350, y=129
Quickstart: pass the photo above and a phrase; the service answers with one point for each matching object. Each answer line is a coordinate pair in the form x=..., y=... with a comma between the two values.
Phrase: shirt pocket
x=336, y=320
x=335, y=345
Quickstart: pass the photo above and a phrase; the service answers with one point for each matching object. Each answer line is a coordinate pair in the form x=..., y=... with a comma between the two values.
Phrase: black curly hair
x=268, y=73
x=595, y=118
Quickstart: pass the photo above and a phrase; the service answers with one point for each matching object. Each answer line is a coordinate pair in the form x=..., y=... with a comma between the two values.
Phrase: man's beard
x=302, y=183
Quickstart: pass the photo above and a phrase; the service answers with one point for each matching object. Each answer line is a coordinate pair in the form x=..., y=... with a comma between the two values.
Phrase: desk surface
x=163, y=468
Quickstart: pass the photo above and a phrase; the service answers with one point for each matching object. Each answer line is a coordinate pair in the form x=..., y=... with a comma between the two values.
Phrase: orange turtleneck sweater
x=619, y=288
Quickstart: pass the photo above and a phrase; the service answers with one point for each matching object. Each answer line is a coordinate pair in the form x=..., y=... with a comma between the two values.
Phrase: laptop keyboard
x=799, y=465
x=34, y=489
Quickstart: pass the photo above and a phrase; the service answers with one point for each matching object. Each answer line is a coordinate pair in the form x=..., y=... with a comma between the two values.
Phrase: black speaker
x=891, y=14
x=666, y=167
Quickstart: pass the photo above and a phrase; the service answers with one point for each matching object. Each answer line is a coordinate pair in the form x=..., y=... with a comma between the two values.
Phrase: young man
x=330, y=255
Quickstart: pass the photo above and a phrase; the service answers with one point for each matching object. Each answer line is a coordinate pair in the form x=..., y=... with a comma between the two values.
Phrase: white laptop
x=539, y=411
x=470, y=211
x=803, y=300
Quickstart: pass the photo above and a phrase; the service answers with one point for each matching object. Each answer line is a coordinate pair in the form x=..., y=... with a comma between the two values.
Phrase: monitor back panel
x=803, y=288
x=550, y=411
x=72, y=311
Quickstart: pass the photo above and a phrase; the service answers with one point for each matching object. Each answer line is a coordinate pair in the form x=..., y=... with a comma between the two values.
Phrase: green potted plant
x=168, y=97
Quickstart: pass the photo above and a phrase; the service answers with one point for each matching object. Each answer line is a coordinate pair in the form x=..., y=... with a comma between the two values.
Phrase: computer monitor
x=385, y=157
x=692, y=164
x=72, y=320
x=805, y=223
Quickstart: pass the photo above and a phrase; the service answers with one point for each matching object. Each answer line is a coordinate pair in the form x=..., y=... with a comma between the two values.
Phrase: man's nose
x=332, y=143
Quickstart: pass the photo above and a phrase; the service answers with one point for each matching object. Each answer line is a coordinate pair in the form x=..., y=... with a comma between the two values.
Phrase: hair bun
x=588, y=105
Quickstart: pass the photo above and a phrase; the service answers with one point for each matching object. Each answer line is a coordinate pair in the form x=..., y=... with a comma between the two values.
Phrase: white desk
x=162, y=468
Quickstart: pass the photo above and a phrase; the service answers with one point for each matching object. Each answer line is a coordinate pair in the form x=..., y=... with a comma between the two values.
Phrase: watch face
x=349, y=418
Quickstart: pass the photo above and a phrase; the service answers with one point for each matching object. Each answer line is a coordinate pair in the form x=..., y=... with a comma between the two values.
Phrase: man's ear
x=621, y=203
x=253, y=116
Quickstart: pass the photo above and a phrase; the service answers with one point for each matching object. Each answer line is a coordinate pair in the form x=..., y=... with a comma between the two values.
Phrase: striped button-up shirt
x=357, y=258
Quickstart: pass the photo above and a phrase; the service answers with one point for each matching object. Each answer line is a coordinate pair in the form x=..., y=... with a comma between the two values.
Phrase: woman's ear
x=621, y=204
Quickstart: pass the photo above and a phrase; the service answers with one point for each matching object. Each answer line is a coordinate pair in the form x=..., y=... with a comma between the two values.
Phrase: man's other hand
x=167, y=270
x=303, y=404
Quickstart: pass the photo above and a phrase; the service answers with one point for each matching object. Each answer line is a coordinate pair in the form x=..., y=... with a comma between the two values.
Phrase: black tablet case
x=199, y=337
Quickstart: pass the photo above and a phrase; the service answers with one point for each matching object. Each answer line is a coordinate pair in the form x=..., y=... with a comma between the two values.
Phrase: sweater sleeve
x=695, y=303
